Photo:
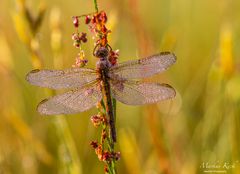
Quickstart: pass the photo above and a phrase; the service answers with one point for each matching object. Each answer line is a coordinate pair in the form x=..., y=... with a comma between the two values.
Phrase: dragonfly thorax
x=102, y=54
x=103, y=63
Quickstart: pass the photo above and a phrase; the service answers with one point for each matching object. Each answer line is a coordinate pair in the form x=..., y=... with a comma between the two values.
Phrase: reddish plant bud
x=104, y=29
x=92, y=28
x=94, y=20
x=75, y=36
x=98, y=151
x=104, y=134
x=84, y=40
x=106, y=169
x=96, y=120
x=84, y=34
x=75, y=21
x=85, y=61
x=116, y=155
x=80, y=62
x=113, y=56
x=104, y=41
x=105, y=120
x=98, y=42
x=76, y=44
x=94, y=144
x=113, y=61
x=106, y=156
x=99, y=18
x=87, y=19
x=83, y=37
x=103, y=17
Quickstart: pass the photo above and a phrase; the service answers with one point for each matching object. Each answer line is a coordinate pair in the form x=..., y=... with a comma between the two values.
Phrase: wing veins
x=142, y=68
x=71, y=101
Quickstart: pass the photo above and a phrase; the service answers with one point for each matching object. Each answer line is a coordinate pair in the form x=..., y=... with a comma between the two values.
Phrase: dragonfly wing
x=74, y=101
x=60, y=79
x=139, y=93
x=145, y=67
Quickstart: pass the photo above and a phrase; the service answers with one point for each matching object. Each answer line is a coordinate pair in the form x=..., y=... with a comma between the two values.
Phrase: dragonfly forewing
x=60, y=79
x=145, y=67
x=78, y=100
x=139, y=93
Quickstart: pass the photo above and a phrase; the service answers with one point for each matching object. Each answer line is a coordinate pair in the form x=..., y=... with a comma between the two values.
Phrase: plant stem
x=96, y=5
x=109, y=142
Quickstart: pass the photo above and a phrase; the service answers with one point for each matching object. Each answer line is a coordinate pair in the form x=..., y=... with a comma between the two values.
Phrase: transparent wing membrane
x=60, y=79
x=145, y=67
x=86, y=84
x=139, y=93
x=74, y=101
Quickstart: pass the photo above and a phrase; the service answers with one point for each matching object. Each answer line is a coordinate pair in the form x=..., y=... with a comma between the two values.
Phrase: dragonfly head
x=101, y=52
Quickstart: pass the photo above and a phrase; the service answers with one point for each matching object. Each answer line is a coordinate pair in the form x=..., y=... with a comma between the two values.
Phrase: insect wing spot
x=165, y=53
x=171, y=90
x=41, y=108
x=31, y=73
x=35, y=71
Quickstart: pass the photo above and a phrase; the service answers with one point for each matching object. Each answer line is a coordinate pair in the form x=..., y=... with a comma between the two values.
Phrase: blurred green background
x=199, y=128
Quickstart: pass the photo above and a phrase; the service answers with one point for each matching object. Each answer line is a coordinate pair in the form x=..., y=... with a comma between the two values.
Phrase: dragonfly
x=89, y=86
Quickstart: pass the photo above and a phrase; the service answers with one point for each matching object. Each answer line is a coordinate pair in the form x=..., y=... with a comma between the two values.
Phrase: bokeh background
x=198, y=128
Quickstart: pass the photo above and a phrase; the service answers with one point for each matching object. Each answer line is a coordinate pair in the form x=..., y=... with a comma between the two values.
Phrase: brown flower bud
x=84, y=37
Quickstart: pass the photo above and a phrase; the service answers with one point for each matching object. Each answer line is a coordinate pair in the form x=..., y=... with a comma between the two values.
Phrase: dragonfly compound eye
x=102, y=52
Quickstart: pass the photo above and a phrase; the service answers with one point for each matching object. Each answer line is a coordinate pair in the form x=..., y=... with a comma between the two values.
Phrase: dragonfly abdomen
x=108, y=102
